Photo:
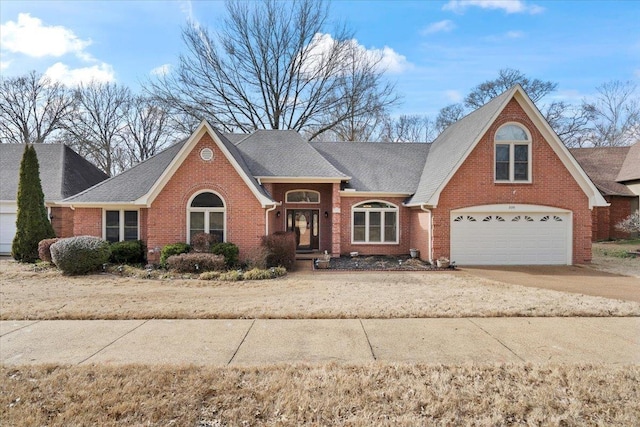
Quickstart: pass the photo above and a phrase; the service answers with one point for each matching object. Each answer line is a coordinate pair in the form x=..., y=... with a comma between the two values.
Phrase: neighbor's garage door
x=513, y=238
x=7, y=231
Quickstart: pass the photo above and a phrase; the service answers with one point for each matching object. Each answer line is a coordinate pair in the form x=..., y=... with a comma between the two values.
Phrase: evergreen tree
x=32, y=223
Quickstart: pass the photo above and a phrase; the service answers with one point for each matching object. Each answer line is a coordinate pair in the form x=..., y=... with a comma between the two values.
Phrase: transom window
x=207, y=214
x=303, y=196
x=374, y=222
x=120, y=225
x=512, y=154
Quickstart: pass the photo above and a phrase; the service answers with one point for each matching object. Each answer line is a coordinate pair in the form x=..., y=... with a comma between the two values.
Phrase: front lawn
x=613, y=257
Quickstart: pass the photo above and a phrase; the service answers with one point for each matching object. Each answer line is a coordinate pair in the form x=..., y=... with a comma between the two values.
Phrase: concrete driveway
x=574, y=279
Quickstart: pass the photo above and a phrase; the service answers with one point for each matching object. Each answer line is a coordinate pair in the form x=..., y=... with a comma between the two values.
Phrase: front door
x=304, y=222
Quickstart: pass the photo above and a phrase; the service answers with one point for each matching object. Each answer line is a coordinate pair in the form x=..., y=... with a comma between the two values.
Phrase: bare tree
x=272, y=66
x=507, y=78
x=616, y=111
x=448, y=116
x=408, y=128
x=147, y=130
x=96, y=130
x=570, y=122
x=32, y=108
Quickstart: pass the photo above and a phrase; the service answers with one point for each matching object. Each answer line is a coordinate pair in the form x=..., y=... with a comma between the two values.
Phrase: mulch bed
x=380, y=263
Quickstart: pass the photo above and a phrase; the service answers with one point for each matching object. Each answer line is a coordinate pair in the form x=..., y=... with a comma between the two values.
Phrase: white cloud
x=30, y=37
x=508, y=6
x=4, y=64
x=60, y=72
x=162, y=70
x=387, y=59
x=437, y=27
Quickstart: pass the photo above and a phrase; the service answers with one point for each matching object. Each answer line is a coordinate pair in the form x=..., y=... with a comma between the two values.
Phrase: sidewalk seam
x=19, y=329
x=241, y=342
x=112, y=342
x=366, y=335
x=496, y=338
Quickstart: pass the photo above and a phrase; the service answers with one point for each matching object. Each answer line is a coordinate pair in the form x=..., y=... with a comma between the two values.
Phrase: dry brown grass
x=46, y=294
x=612, y=257
x=398, y=395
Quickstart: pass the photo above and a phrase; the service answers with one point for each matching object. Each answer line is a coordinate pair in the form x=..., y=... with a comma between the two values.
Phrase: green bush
x=195, y=262
x=281, y=248
x=32, y=221
x=80, y=255
x=44, y=249
x=173, y=249
x=128, y=252
x=229, y=251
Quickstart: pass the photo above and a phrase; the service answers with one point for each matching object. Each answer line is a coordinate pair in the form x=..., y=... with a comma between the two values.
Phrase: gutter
x=266, y=216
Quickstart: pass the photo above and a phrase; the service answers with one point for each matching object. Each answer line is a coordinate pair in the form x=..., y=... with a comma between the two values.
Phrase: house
x=63, y=173
x=615, y=171
x=497, y=187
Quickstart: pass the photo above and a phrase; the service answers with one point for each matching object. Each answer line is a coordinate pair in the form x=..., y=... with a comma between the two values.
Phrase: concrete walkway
x=606, y=340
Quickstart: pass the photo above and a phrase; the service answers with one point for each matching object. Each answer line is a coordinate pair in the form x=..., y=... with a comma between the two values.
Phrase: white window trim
x=356, y=208
x=286, y=196
x=206, y=211
x=511, y=144
x=120, y=223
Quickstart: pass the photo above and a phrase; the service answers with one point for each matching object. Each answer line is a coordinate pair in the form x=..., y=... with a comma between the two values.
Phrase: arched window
x=374, y=222
x=302, y=196
x=512, y=154
x=206, y=213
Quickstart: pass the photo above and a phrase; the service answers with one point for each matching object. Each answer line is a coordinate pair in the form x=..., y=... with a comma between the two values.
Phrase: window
x=207, y=214
x=512, y=154
x=374, y=222
x=303, y=196
x=120, y=225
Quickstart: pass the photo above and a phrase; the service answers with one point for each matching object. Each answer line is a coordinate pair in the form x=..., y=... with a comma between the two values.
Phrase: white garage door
x=7, y=231
x=511, y=238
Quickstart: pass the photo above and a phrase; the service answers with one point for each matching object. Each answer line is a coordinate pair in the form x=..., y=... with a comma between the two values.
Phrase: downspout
x=424, y=209
x=266, y=217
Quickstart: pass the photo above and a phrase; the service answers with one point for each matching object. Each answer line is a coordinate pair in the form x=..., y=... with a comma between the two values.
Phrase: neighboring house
x=63, y=173
x=615, y=171
x=497, y=187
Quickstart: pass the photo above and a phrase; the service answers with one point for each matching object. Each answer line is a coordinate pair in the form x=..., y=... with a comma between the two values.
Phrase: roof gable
x=630, y=170
x=602, y=165
x=63, y=172
x=454, y=145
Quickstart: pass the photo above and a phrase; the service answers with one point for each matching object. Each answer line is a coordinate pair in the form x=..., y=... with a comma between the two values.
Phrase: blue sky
x=436, y=51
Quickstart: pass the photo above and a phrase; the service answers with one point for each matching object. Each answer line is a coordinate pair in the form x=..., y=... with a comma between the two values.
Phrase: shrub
x=229, y=251
x=202, y=242
x=281, y=248
x=172, y=249
x=80, y=255
x=262, y=274
x=129, y=252
x=630, y=224
x=257, y=258
x=32, y=221
x=231, y=276
x=195, y=262
x=44, y=249
x=210, y=275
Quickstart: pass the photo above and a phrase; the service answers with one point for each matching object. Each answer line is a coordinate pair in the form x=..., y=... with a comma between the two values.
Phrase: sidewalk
x=607, y=340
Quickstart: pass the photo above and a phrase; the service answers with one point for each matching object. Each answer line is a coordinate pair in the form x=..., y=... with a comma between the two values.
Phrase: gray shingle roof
x=602, y=165
x=377, y=167
x=451, y=146
x=63, y=172
x=630, y=170
x=284, y=153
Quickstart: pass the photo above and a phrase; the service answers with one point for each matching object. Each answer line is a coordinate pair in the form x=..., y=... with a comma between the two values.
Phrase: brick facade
x=552, y=185
x=62, y=221
x=605, y=219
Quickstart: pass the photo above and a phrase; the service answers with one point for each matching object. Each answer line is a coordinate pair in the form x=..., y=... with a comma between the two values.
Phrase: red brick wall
x=600, y=223
x=420, y=232
x=621, y=208
x=404, y=218
x=62, y=221
x=552, y=185
x=166, y=219
x=87, y=222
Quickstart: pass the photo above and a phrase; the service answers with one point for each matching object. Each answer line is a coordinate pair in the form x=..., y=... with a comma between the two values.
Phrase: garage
x=511, y=235
x=7, y=226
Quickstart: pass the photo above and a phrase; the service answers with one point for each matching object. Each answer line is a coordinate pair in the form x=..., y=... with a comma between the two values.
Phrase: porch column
x=336, y=220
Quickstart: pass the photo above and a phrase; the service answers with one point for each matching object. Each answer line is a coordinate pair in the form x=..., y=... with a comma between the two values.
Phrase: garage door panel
x=7, y=231
x=510, y=238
